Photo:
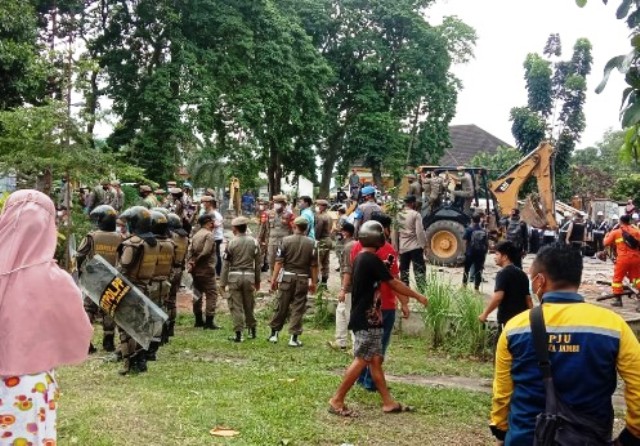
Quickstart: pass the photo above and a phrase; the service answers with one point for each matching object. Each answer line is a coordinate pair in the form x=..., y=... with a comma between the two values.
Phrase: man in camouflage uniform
x=296, y=263
x=160, y=284
x=148, y=199
x=100, y=195
x=181, y=240
x=201, y=263
x=433, y=188
x=278, y=226
x=137, y=259
x=118, y=196
x=323, y=228
x=103, y=241
x=241, y=273
x=337, y=232
x=464, y=191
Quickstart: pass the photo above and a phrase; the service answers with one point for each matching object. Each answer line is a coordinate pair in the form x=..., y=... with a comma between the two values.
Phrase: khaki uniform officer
x=323, y=236
x=242, y=261
x=278, y=226
x=296, y=263
x=201, y=263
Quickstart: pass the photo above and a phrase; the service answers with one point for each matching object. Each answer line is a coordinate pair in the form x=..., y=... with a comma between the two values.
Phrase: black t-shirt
x=515, y=285
x=368, y=273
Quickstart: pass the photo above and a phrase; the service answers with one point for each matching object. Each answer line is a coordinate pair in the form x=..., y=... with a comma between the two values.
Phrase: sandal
x=342, y=412
x=400, y=408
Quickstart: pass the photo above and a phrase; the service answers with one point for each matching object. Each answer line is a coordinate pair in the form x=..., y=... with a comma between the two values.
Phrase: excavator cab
x=451, y=195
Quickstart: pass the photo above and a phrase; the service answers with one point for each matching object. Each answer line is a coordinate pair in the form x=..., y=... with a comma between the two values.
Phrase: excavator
x=466, y=190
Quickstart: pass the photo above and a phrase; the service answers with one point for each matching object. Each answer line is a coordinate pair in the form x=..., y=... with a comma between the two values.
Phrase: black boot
x=150, y=355
x=209, y=325
x=164, y=337
x=170, y=330
x=92, y=348
x=199, y=321
x=107, y=343
x=140, y=363
x=237, y=337
x=617, y=302
x=252, y=332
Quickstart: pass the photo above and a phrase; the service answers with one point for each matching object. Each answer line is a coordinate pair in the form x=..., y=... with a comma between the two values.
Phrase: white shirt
x=218, y=227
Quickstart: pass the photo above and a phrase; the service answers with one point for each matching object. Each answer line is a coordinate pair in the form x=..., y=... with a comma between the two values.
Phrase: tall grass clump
x=438, y=313
x=472, y=336
x=451, y=318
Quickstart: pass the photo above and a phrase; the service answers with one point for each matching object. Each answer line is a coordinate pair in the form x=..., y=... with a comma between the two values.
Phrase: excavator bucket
x=532, y=212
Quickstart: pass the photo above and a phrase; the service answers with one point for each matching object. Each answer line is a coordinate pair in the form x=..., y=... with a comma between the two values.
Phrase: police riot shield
x=115, y=295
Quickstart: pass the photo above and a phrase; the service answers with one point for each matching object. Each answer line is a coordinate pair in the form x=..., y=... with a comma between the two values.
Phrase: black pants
x=416, y=257
x=477, y=262
x=599, y=241
x=218, y=258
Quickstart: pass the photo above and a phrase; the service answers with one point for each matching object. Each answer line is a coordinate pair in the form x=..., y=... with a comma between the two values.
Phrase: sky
x=510, y=29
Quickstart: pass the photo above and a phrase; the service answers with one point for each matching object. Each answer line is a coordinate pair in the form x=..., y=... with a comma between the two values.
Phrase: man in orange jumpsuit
x=628, y=260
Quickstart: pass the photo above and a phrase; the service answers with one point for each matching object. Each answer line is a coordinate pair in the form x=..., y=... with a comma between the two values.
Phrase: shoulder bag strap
x=540, y=343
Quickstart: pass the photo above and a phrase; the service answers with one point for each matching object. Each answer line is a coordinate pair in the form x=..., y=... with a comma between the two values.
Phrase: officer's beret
x=412, y=177
x=239, y=221
x=145, y=189
x=368, y=190
x=159, y=191
x=175, y=190
x=204, y=219
x=410, y=199
x=322, y=202
x=171, y=184
x=280, y=198
x=206, y=199
x=115, y=183
x=301, y=221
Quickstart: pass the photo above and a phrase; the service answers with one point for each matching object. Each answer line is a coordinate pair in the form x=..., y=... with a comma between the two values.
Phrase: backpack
x=630, y=240
x=479, y=241
x=559, y=424
x=514, y=232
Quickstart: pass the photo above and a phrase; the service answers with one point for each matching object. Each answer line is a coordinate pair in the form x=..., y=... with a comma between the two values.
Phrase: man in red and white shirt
x=390, y=257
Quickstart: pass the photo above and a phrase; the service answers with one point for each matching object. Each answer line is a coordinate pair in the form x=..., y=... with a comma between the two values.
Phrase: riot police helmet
x=138, y=219
x=159, y=224
x=163, y=211
x=371, y=235
x=174, y=221
x=104, y=217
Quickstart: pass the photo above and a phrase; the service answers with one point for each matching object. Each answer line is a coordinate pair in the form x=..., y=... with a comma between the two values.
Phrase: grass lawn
x=271, y=394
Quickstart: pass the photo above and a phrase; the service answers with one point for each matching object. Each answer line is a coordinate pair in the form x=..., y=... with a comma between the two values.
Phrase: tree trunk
x=92, y=106
x=376, y=172
x=44, y=182
x=274, y=172
x=334, y=147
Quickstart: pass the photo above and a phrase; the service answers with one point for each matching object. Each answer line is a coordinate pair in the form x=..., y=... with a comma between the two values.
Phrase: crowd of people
x=166, y=234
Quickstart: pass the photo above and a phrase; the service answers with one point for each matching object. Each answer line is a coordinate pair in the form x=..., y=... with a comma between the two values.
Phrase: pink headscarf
x=42, y=320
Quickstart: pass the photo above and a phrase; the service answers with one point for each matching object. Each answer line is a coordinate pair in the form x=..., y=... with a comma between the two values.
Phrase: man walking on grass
x=366, y=320
x=511, y=295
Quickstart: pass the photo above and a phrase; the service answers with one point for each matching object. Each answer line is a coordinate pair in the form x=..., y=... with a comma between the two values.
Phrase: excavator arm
x=539, y=164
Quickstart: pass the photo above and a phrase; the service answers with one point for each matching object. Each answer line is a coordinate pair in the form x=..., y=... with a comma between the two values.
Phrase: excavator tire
x=445, y=243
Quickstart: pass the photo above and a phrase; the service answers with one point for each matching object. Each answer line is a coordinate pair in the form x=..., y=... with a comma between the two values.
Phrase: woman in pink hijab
x=42, y=321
